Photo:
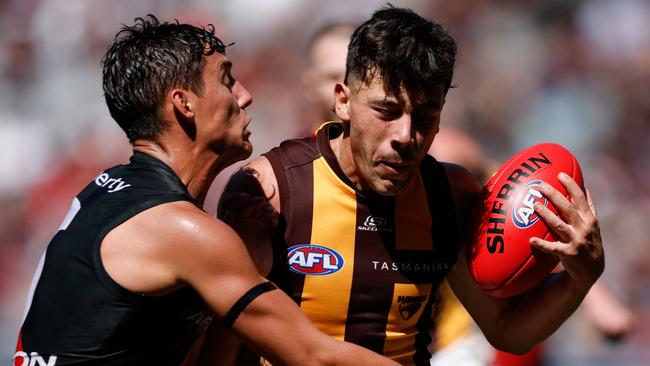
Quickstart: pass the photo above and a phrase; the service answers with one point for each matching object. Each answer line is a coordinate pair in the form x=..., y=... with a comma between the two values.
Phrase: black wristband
x=246, y=299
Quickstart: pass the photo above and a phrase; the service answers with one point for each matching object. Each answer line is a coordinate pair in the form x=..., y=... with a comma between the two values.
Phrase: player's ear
x=342, y=101
x=181, y=103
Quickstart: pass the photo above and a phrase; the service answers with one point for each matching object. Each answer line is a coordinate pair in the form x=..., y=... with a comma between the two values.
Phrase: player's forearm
x=310, y=347
x=275, y=328
x=343, y=353
x=532, y=317
x=321, y=350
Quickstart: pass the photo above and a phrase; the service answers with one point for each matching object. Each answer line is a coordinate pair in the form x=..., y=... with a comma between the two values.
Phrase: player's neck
x=196, y=169
x=343, y=152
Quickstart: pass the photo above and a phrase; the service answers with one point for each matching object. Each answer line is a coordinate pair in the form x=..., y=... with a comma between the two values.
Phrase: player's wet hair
x=402, y=49
x=144, y=62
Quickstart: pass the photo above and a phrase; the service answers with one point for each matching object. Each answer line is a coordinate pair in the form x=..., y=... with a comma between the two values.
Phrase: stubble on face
x=382, y=162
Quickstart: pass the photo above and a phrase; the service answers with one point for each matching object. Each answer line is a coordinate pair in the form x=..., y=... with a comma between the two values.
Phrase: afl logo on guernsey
x=523, y=214
x=314, y=260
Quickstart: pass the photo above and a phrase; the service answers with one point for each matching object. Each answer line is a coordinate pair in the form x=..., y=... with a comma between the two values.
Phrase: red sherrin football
x=501, y=260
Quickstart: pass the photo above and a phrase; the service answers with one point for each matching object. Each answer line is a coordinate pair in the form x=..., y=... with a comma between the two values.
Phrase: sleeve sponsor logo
x=523, y=214
x=314, y=260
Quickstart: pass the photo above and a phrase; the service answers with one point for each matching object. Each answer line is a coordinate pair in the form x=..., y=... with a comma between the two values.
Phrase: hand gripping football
x=500, y=259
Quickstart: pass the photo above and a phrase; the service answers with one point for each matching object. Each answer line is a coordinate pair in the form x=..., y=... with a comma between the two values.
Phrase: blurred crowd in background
x=529, y=71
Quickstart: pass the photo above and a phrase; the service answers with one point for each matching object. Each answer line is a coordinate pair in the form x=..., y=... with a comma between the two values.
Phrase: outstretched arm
x=177, y=245
x=272, y=324
x=517, y=324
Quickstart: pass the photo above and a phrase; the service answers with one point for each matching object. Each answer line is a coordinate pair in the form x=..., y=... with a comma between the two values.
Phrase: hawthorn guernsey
x=501, y=260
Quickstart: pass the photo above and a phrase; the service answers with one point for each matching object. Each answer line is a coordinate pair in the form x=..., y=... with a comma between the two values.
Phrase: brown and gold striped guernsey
x=363, y=267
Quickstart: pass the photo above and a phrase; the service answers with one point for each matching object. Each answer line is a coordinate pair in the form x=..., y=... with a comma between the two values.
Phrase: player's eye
x=388, y=113
x=229, y=81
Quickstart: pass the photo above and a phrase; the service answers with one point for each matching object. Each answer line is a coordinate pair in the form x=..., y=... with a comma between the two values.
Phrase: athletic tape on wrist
x=246, y=299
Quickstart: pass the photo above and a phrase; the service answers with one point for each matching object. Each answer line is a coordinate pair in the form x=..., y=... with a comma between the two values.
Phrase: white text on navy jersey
x=113, y=184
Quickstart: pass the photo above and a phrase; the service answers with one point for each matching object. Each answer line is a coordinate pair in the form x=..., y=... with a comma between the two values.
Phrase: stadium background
x=573, y=72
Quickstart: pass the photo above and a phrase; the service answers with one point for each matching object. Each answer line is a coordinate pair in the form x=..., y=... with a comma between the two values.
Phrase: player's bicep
x=213, y=260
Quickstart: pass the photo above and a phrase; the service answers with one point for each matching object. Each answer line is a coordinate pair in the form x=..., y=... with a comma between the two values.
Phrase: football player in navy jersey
x=138, y=270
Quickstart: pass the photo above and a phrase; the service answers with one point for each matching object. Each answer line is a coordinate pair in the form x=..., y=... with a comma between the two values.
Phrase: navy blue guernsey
x=77, y=314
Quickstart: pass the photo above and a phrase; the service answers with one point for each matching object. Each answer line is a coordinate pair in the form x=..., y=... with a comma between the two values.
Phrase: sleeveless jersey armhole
x=104, y=278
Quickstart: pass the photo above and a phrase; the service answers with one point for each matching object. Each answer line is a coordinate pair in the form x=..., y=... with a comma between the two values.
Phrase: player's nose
x=403, y=134
x=244, y=97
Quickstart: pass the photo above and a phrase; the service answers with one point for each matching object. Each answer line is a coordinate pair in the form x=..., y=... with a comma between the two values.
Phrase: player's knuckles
x=587, y=229
x=591, y=223
x=560, y=249
x=569, y=250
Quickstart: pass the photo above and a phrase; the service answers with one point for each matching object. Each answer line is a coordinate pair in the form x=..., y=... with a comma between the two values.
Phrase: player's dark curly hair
x=144, y=62
x=402, y=49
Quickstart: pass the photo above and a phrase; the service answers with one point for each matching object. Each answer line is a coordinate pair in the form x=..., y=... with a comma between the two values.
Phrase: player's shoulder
x=256, y=179
x=162, y=244
x=465, y=189
x=259, y=169
x=460, y=179
x=183, y=224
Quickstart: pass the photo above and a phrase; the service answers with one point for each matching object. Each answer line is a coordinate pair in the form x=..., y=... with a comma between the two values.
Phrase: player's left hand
x=579, y=245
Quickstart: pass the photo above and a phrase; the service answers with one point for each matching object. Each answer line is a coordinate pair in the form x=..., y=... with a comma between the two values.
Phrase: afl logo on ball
x=523, y=214
x=314, y=260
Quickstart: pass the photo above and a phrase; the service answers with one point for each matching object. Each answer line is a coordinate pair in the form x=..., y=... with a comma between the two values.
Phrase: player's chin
x=390, y=187
x=242, y=151
x=246, y=150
